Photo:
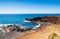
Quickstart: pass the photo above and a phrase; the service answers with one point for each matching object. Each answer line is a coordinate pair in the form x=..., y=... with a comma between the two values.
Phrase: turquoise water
x=19, y=18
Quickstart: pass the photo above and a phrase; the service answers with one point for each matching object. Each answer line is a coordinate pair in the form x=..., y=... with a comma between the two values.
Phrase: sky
x=29, y=6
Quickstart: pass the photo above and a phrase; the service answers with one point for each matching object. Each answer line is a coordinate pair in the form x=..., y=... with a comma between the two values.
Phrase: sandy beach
x=42, y=33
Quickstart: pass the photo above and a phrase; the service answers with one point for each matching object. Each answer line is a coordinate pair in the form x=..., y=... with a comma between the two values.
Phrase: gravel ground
x=11, y=35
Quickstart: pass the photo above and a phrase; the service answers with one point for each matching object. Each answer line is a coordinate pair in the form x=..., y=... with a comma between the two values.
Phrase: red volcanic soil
x=42, y=33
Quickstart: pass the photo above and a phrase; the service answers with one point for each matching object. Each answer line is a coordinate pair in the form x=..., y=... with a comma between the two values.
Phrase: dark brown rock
x=50, y=19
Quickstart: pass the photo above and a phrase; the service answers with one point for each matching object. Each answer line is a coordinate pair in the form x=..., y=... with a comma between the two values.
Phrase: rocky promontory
x=49, y=19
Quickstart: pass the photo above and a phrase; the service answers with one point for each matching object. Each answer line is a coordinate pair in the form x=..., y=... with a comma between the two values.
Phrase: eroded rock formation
x=50, y=19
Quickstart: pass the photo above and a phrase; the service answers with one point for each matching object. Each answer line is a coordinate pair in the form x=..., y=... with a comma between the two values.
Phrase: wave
x=26, y=21
x=37, y=26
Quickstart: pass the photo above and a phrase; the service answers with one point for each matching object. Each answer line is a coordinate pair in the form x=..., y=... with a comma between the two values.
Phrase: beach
x=40, y=28
x=12, y=31
x=42, y=33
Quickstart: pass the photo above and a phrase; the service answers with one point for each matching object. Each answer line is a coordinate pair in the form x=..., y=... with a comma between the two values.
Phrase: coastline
x=13, y=34
x=43, y=32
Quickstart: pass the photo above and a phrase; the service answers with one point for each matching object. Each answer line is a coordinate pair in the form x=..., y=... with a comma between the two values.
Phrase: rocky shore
x=14, y=35
x=47, y=25
x=13, y=31
x=49, y=19
x=45, y=30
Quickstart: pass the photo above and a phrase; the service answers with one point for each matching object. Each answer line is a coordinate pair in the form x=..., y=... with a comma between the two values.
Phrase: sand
x=42, y=33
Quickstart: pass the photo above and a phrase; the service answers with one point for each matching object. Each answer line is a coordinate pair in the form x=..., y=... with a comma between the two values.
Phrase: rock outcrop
x=49, y=19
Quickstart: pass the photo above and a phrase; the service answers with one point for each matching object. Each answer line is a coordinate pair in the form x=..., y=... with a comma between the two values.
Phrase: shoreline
x=43, y=32
x=14, y=35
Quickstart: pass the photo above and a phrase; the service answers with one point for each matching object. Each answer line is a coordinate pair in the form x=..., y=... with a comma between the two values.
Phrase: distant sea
x=19, y=18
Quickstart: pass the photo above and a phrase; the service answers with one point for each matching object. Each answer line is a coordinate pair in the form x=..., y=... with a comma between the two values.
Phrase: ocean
x=19, y=19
